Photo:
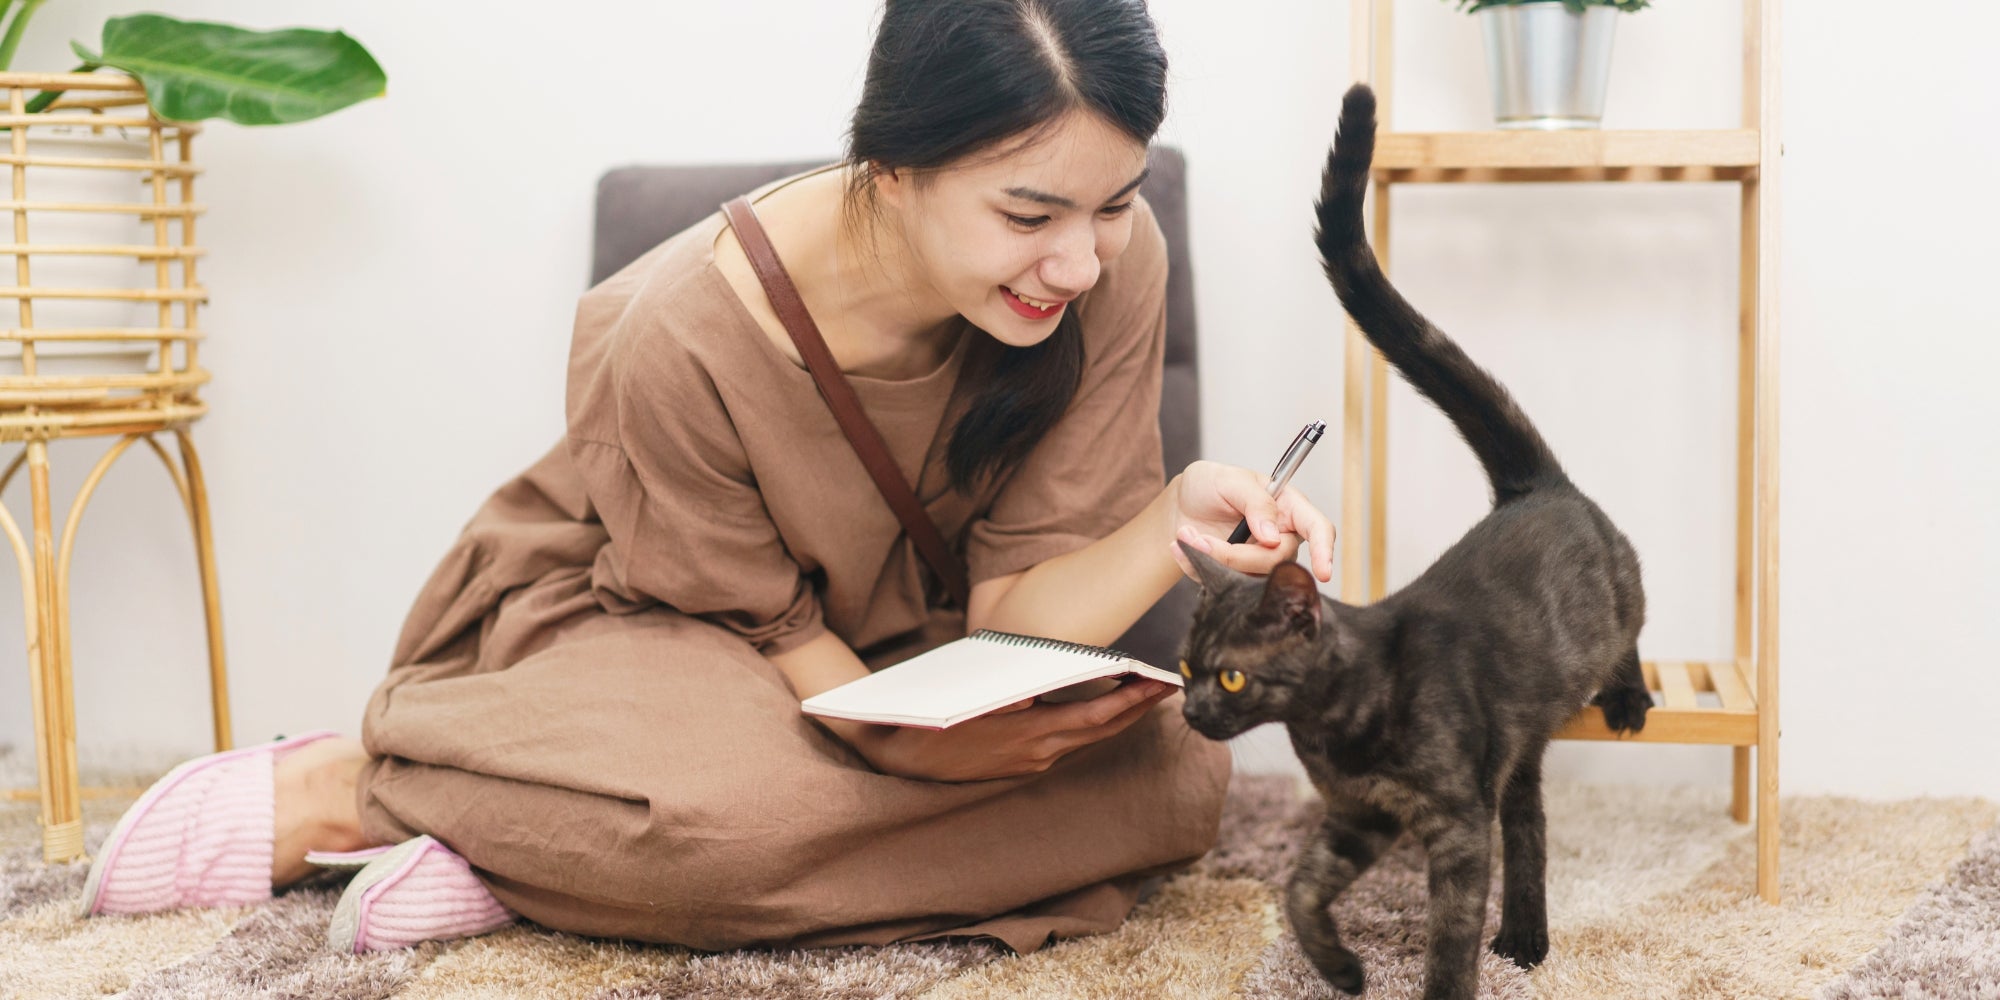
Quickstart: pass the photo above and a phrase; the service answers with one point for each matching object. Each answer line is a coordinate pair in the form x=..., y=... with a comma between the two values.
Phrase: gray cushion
x=639, y=206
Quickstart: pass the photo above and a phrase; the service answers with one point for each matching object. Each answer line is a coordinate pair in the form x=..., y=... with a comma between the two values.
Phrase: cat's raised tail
x=1516, y=459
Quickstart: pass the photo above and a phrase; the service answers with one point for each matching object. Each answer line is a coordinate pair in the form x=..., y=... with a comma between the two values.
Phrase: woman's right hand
x=1026, y=737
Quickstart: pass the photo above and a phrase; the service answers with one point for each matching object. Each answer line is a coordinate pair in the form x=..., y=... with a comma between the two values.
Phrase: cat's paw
x=1624, y=708
x=1340, y=967
x=1525, y=948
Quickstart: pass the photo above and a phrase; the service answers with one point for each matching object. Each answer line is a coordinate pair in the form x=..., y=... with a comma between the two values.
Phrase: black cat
x=1430, y=710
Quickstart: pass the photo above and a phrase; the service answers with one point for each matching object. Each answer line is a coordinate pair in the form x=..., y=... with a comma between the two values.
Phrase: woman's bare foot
x=315, y=807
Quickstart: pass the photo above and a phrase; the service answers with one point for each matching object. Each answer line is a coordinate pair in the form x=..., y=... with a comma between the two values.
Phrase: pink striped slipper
x=413, y=892
x=201, y=836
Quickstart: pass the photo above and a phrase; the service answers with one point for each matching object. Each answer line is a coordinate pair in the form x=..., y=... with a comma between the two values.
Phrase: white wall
x=392, y=289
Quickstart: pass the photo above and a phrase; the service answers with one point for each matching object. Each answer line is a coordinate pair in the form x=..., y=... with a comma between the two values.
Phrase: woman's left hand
x=1211, y=498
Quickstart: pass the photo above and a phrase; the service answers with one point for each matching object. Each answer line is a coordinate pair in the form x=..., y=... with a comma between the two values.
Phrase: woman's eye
x=1117, y=210
x=1185, y=672
x=1027, y=221
x=1232, y=680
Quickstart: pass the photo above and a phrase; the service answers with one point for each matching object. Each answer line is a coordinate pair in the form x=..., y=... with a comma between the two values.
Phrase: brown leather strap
x=840, y=398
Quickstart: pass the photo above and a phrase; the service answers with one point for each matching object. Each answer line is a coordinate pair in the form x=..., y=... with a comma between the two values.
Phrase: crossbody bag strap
x=840, y=399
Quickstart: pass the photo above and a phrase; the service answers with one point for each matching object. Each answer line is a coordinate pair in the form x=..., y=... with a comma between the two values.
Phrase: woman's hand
x=1211, y=498
x=1024, y=738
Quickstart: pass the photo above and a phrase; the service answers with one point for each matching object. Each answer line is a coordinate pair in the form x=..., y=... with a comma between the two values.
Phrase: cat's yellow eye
x=1185, y=672
x=1232, y=680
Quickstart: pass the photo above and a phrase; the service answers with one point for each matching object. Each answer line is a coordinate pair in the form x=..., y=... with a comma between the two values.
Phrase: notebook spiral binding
x=1037, y=642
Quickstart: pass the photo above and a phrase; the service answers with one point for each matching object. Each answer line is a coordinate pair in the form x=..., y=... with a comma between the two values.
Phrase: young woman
x=595, y=701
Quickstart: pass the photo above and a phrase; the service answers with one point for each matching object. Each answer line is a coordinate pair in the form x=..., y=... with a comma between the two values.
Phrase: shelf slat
x=1677, y=715
x=1677, y=686
x=1729, y=685
x=1664, y=725
x=1583, y=154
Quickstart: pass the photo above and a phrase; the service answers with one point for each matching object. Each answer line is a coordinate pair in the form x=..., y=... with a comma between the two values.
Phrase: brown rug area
x=1649, y=897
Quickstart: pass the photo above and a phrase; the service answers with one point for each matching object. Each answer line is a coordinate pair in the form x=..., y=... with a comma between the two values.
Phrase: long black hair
x=948, y=79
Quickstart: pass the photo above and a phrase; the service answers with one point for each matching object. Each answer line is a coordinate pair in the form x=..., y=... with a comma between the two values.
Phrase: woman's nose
x=1073, y=267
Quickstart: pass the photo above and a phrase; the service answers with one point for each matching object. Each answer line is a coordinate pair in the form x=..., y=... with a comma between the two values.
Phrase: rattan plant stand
x=41, y=404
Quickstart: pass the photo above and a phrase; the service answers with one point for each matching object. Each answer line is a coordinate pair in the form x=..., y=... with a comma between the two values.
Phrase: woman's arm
x=1092, y=595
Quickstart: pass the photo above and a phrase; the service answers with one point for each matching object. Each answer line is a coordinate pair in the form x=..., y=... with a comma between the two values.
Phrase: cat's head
x=1256, y=648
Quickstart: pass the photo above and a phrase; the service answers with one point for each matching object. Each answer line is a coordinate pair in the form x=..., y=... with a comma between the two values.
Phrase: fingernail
x=1270, y=529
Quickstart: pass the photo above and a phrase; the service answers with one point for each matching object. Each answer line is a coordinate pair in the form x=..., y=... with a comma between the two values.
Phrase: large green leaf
x=194, y=70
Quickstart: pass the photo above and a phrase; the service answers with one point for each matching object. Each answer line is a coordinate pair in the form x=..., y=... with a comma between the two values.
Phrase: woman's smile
x=1032, y=308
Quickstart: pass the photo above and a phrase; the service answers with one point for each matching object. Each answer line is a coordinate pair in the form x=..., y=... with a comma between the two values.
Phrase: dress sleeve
x=1100, y=464
x=664, y=468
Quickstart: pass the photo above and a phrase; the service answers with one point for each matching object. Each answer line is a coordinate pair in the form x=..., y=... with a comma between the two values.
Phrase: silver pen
x=1294, y=457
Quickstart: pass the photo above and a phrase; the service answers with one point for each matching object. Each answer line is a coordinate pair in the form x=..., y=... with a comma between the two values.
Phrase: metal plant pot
x=1548, y=66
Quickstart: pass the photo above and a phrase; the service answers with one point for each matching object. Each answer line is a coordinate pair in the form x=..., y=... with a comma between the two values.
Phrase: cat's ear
x=1291, y=599
x=1213, y=575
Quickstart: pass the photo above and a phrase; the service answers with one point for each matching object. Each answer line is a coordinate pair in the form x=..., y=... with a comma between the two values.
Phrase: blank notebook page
x=968, y=676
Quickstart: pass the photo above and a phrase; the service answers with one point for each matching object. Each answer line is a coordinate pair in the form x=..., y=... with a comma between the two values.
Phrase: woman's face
x=1010, y=237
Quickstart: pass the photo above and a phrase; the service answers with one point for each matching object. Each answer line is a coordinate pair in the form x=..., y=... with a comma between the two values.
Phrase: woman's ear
x=892, y=186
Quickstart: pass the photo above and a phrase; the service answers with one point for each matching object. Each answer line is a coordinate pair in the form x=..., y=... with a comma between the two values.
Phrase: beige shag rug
x=1650, y=896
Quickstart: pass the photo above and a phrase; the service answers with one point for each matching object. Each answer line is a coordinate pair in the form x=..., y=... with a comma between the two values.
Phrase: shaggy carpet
x=1649, y=895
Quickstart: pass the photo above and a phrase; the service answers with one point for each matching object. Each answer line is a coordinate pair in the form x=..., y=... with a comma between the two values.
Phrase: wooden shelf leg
x=1353, y=470
x=1762, y=194
x=1739, y=796
x=218, y=679
x=1378, y=428
x=55, y=710
x=1767, y=823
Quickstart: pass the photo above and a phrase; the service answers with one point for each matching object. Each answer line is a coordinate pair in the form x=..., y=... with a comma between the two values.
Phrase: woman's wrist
x=1160, y=524
x=1172, y=502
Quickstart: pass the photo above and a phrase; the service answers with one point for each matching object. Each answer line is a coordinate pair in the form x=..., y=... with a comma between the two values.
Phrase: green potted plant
x=1548, y=60
x=99, y=147
x=195, y=70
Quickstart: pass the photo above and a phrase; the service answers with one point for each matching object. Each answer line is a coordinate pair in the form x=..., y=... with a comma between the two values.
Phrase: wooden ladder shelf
x=1731, y=702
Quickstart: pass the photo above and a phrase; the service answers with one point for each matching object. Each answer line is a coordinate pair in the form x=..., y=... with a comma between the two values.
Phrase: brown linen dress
x=580, y=701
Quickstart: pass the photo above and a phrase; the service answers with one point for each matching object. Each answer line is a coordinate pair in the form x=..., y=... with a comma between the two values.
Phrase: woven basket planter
x=100, y=311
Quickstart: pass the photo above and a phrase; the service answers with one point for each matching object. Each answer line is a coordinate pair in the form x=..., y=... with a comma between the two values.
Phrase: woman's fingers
x=1279, y=527
x=1061, y=743
x=1082, y=715
x=1249, y=494
x=1302, y=518
x=1068, y=743
x=1252, y=557
x=1055, y=731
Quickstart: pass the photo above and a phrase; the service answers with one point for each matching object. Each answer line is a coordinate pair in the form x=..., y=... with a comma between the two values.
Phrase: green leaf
x=194, y=70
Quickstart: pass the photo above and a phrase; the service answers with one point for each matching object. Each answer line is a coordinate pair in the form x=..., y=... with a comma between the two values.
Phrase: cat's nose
x=1201, y=722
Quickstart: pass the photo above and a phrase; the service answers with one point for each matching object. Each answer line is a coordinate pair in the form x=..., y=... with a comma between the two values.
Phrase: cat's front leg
x=1349, y=841
x=1524, y=907
x=1461, y=865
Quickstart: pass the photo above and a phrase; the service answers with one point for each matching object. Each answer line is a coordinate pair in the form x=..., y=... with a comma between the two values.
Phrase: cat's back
x=1552, y=552
x=1541, y=532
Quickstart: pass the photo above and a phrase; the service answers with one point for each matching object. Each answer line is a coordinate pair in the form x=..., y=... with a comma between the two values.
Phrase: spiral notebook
x=967, y=678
